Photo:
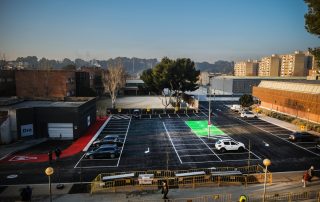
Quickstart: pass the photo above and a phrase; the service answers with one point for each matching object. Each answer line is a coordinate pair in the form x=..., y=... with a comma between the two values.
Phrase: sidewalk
x=282, y=183
x=7, y=150
x=283, y=124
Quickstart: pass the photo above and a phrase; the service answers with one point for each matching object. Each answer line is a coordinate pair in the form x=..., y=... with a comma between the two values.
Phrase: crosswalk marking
x=120, y=116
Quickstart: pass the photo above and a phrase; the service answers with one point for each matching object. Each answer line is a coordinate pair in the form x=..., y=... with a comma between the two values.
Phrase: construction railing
x=299, y=196
x=289, y=197
x=137, y=180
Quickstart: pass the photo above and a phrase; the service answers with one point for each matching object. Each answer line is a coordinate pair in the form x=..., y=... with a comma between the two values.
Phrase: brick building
x=298, y=99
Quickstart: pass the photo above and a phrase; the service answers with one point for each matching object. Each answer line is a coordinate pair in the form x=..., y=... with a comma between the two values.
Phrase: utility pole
x=209, y=120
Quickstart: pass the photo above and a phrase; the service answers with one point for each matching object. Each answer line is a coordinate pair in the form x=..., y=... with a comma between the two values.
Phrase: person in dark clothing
x=26, y=194
x=50, y=156
x=165, y=189
x=57, y=151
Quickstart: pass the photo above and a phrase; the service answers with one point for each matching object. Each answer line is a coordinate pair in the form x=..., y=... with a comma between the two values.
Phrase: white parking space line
x=189, y=149
x=283, y=135
x=164, y=125
x=197, y=155
x=280, y=138
x=115, y=159
x=210, y=149
x=314, y=147
x=96, y=135
x=79, y=161
x=199, y=162
x=184, y=144
x=178, y=115
x=125, y=138
x=188, y=115
x=85, y=167
x=196, y=115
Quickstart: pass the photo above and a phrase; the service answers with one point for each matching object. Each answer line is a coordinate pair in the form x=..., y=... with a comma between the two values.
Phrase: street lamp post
x=209, y=121
x=49, y=171
x=266, y=163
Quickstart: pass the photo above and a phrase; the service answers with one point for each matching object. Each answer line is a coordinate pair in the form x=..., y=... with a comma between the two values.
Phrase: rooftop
x=301, y=87
x=24, y=104
x=262, y=78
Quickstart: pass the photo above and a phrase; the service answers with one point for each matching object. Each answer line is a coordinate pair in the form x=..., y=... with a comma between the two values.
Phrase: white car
x=247, y=114
x=224, y=145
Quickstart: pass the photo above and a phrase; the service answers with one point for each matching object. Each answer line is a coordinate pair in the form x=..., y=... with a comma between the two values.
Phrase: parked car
x=136, y=113
x=302, y=136
x=224, y=145
x=104, y=151
x=109, y=139
x=247, y=114
x=235, y=108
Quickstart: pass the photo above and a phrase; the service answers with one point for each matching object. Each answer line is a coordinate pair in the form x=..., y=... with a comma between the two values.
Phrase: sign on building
x=26, y=130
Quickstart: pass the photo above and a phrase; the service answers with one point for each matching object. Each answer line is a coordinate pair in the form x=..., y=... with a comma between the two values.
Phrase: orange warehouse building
x=297, y=99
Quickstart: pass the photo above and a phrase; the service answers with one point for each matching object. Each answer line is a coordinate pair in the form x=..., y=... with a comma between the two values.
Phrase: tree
x=157, y=81
x=172, y=77
x=312, y=25
x=69, y=67
x=3, y=61
x=114, y=78
x=246, y=100
x=183, y=77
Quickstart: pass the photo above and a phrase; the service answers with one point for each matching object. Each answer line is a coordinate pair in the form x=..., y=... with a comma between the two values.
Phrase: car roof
x=111, y=136
x=108, y=146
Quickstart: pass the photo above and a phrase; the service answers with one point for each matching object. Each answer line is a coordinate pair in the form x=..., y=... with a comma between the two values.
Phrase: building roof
x=134, y=81
x=261, y=77
x=301, y=87
x=25, y=104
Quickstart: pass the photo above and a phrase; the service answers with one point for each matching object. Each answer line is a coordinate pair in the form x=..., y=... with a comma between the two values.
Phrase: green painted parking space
x=200, y=128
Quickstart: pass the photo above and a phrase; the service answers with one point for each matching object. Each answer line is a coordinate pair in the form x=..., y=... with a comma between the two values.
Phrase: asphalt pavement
x=282, y=181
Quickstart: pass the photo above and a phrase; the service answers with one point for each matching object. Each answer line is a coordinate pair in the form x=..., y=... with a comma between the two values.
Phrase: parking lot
x=168, y=141
x=163, y=141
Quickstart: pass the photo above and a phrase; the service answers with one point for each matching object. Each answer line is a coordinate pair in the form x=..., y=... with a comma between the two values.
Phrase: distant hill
x=219, y=66
x=133, y=66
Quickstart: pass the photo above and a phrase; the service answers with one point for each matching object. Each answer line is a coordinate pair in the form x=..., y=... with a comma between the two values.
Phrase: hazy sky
x=203, y=30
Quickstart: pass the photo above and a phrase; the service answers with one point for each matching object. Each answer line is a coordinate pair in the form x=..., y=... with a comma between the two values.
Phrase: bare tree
x=3, y=61
x=114, y=78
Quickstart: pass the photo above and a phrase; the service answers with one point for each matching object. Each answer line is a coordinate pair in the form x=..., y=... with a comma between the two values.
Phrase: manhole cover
x=12, y=176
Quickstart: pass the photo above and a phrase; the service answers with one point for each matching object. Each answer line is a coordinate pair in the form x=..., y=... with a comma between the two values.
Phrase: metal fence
x=179, y=179
x=279, y=197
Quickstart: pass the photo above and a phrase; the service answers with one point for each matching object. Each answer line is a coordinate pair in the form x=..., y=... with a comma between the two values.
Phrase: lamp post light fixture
x=266, y=163
x=49, y=171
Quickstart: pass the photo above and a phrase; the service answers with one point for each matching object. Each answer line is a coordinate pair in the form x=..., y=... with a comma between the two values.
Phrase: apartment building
x=269, y=66
x=293, y=64
x=246, y=68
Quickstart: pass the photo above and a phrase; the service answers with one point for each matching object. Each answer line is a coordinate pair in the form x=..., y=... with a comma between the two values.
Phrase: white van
x=235, y=108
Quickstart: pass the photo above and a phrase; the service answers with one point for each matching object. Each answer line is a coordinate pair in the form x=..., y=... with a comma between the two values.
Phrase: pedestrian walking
x=50, y=156
x=57, y=151
x=165, y=189
x=305, y=178
x=310, y=173
x=26, y=194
